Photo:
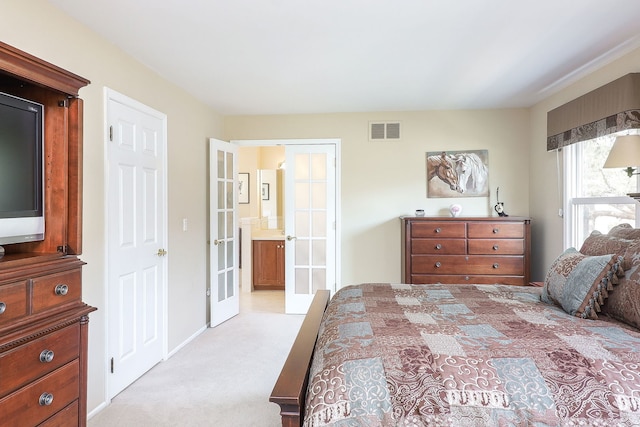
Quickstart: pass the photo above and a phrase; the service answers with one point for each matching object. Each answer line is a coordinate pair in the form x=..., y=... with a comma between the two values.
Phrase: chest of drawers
x=43, y=342
x=466, y=250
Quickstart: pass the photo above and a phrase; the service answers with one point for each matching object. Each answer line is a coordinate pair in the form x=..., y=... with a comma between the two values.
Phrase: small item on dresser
x=455, y=210
x=419, y=212
x=499, y=207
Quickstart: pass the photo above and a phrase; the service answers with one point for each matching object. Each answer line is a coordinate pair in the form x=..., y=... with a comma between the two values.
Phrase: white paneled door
x=310, y=223
x=136, y=235
x=223, y=223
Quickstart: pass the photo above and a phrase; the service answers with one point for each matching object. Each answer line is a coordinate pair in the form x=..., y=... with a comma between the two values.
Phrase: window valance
x=611, y=108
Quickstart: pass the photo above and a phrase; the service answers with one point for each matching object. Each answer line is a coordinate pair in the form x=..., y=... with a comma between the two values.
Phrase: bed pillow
x=617, y=241
x=623, y=303
x=581, y=283
x=625, y=231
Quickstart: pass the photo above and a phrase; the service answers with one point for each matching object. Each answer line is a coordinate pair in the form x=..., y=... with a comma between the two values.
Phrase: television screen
x=21, y=170
x=19, y=161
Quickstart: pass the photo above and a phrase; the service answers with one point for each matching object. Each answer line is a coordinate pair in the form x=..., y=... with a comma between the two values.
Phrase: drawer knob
x=495, y=247
x=3, y=307
x=46, y=356
x=496, y=265
x=62, y=289
x=438, y=230
x=46, y=399
x=438, y=246
x=496, y=230
x=438, y=264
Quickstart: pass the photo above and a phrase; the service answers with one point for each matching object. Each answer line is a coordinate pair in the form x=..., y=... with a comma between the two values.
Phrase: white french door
x=136, y=239
x=310, y=224
x=224, y=239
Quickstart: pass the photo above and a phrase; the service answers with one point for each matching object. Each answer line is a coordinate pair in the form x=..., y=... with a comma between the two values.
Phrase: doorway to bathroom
x=292, y=204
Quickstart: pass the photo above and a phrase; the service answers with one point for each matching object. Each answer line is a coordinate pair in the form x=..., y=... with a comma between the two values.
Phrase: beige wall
x=384, y=180
x=547, y=241
x=39, y=29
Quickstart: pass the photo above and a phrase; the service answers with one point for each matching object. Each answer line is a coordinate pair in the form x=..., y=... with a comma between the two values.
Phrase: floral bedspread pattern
x=468, y=355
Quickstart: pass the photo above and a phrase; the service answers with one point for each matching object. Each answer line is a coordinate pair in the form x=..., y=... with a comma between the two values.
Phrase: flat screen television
x=21, y=170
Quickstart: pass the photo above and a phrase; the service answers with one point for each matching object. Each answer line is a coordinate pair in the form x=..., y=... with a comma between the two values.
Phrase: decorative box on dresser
x=43, y=321
x=480, y=250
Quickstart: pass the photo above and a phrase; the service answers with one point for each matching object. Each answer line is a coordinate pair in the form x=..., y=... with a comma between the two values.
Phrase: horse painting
x=472, y=174
x=443, y=167
x=457, y=173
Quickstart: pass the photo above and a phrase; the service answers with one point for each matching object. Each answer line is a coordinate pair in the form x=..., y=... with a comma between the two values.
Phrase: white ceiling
x=319, y=56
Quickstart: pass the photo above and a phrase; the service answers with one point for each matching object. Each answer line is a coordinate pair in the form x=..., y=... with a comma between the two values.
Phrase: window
x=595, y=198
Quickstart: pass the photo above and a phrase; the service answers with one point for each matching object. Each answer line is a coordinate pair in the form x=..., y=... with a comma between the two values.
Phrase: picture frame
x=243, y=187
x=457, y=173
x=265, y=191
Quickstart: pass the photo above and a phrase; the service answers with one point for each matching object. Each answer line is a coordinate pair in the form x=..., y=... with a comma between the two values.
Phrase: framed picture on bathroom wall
x=265, y=191
x=243, y=187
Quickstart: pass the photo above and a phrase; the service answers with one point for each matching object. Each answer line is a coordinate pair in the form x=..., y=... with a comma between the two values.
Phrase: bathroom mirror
x=271, y=198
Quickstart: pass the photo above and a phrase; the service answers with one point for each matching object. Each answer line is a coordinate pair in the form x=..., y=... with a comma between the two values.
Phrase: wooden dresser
x=43, y=341
x=43, y=321
x=480, y=250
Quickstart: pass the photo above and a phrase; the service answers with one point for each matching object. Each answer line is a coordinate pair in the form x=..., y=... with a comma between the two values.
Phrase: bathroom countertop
x=267, y=235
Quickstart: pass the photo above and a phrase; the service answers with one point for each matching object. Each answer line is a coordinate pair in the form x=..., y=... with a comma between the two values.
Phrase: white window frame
x=572, y=222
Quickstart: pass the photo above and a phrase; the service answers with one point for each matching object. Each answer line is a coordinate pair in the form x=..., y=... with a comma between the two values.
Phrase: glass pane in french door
x=310, y=176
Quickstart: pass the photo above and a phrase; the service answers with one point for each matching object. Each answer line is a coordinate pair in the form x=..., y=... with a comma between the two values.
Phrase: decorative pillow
x=614, y=242
x=624, y=301
x=625, y=231
x=580, y=283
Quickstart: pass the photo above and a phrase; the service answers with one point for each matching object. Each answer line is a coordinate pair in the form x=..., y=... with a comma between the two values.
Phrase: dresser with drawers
x=479, y=250
x=43, y=320
x=43, y=341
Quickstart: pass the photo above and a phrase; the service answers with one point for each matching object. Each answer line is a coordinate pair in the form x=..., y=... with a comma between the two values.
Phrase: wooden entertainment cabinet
x=43, y=321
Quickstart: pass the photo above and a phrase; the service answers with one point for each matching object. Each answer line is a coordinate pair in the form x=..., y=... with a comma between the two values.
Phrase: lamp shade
x=624, y=153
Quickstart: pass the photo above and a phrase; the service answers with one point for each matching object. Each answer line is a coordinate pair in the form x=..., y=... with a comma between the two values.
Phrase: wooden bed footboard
x=291, y=386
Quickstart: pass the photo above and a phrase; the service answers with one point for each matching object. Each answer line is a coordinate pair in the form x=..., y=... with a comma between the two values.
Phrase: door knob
x=290, y=238
x=217, y=242
x=161, y=252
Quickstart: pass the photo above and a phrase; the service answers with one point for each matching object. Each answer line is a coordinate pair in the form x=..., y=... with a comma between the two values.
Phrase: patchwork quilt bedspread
x=468, y=355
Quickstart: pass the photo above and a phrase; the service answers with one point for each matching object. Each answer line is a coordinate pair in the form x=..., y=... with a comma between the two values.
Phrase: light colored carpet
x=222, y=378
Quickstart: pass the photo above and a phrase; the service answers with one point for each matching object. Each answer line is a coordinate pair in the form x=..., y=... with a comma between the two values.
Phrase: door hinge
x=110, y=133
x=112, y=365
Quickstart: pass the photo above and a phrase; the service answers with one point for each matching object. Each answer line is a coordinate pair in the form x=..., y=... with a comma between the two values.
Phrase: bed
x=567, y=353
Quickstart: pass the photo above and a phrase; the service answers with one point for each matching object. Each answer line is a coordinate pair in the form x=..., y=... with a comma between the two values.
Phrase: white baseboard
x=187, y=341
x=97, y=409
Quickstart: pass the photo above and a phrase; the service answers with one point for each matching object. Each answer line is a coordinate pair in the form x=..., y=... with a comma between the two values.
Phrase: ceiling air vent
x=384, y=131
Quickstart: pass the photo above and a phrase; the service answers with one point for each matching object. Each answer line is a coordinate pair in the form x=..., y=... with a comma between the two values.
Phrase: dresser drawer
x=27, y=362
x=24, y=407
x=13, y=302
x=511, y=230
x=495, y=246
x=472, y=265
x=438, y=229
x=467, y=279
x=67, y=417
x=56, y=289
x=439, y=246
